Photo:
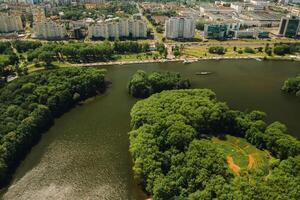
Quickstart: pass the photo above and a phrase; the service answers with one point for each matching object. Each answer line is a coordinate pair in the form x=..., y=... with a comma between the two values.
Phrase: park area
x=242, y=157
x=229, y=51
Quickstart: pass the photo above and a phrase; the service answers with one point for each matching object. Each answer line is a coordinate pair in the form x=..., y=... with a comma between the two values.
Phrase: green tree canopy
x=174, y=157
x=292, y=86
x=141, y=85
x=30, y=103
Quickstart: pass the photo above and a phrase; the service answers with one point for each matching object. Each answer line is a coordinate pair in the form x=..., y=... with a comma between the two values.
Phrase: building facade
x=49, y=30
x=118, y=28
x=10, y=23
x=289, y=26
x=216, y=31
x=180, y=27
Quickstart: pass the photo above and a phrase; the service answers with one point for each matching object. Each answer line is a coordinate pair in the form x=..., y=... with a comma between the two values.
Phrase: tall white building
x=138, y=28
x=180, y=27
x=93, y=1
x=48, y=29
x=289, y=1
x=116, y=28
x=10, y=23
x=123, y=27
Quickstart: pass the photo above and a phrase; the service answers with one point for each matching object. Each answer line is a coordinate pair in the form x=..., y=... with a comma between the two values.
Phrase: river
x=85, y=154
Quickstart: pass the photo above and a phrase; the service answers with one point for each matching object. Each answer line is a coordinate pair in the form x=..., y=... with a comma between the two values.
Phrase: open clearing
x=242, y=156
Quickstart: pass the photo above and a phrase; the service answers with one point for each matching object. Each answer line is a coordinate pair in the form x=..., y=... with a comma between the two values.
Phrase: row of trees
x=282, y=49
x=84, y=52
x=278, y=49
x=172, y=160
x=142, y=85
x=130, y=47
x=29, y=104
x=23, y=46
x=292, y=86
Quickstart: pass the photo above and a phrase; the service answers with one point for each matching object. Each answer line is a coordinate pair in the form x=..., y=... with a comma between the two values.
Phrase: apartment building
x=137, y=29
x=118, y=28
x=180, y=27
x=49, y=30
x=10, y=23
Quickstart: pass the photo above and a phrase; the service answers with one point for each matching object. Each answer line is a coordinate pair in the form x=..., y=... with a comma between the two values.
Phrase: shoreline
x=192, y=60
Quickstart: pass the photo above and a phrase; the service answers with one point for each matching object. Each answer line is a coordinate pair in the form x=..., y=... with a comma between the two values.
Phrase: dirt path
x=251, y=161
x=234, y=167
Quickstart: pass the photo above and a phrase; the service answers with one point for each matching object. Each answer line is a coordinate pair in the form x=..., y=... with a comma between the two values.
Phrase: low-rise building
x=263, y=34
x=221, y=31
x=238, y=7
x=215, y=9
x=216, y=31
x=248, y=33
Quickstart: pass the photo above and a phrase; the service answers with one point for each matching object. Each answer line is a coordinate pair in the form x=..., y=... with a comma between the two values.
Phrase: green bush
x=249, y=50
x=217, y=50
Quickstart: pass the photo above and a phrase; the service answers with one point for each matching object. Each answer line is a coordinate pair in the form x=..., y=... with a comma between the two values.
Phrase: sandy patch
x=251, y=161
x=234, y=167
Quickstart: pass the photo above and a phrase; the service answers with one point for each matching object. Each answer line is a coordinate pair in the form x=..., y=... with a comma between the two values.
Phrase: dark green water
x=85, y=154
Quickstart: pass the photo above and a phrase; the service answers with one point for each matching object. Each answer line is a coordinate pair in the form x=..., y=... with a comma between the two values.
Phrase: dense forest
x=142, y=85
x=292, y=86
x=174, y=157
x=30, y=103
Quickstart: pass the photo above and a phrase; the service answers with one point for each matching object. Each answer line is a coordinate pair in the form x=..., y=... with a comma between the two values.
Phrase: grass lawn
x=202, y=51
x=3, y=57
x=133, y=57
x=242, y=155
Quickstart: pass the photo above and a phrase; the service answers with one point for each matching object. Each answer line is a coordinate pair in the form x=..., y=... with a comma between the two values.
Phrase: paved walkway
x=161, y=61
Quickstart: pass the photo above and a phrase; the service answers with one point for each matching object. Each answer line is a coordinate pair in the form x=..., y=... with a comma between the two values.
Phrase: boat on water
x=187, y=62
x=258, y=59
x=203, y=73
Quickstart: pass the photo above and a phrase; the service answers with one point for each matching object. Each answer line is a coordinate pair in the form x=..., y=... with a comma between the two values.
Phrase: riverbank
x=191, y=60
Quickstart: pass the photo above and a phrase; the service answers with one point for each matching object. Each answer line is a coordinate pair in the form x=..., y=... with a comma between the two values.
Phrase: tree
x=200, y=25
x=160, y=48
x=29, y=104
x=292, y=85
x=47, y=57
x=176, y=51
x=281, y=50
x=5, y=71
x=174, y=157
x=217, y=50
x=249, y=50
x=142, y=85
